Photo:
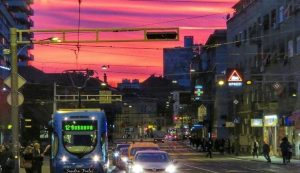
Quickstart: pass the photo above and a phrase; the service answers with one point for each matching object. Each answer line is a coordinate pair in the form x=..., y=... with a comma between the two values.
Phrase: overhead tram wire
x=90, y=51
x=78, y=33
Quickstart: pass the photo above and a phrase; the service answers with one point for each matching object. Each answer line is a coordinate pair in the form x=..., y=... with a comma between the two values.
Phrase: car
x=116, y=151
x=122, y=160
x=151, y=161
x=140, y=146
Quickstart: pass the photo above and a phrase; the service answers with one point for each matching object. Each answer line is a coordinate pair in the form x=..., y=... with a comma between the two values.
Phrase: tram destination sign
x=79, y=126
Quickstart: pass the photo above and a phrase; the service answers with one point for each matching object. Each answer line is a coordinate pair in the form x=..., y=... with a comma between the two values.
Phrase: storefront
x=270, y=132
x=295, y=117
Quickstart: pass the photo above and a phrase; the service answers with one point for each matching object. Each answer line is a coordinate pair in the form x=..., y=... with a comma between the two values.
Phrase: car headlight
x=96, y=158
x=124, y=159
x=116, y=154
x=137, y=168
x=64, y=158
x=171, y=169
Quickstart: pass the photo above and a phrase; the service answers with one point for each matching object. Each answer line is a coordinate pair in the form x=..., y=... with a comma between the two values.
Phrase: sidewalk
x=274, y=159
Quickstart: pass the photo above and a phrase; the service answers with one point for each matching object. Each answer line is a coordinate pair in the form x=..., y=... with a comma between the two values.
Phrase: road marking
x=195, y=167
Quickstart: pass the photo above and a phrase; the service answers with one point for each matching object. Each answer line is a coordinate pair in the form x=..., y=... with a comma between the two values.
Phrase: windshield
x=134, y=150
x=124, y=151
x=79, y=137
x=152, y=157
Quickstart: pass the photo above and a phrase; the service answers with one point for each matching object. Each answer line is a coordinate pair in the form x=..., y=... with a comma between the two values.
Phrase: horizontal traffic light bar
x=101, y=35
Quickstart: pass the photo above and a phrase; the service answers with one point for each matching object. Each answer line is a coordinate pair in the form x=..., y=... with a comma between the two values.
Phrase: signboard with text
x=270, y=120
x=256, y=122
x=234, y=78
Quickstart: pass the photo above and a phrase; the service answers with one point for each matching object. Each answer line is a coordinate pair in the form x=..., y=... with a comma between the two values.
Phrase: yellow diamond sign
x=21, y=81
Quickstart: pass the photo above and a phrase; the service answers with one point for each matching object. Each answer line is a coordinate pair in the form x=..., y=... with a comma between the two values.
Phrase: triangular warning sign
x=235, y=77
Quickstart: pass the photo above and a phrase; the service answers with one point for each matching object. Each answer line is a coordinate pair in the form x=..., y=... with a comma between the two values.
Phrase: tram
x=79, y=141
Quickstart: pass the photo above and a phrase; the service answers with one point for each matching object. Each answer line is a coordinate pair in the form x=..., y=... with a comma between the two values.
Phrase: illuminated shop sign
x=270, y=120
x=79, y=125
x=256, y=122
x=198, y=92
x=235, y=79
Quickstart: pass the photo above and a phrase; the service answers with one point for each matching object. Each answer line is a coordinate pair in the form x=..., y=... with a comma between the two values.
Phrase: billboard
x=270, y=120
x=256, y=122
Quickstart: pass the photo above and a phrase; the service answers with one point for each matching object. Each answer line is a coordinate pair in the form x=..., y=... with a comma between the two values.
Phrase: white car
x=151, y=161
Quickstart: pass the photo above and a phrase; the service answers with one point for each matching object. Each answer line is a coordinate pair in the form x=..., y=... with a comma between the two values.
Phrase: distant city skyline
x=196, y=18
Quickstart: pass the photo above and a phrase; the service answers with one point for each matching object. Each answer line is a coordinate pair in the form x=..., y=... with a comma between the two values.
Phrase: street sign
x=20, y=99
x=21, y=81
x=235, y=79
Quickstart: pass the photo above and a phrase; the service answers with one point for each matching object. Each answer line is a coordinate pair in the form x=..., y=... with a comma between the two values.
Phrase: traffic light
x=162, y=35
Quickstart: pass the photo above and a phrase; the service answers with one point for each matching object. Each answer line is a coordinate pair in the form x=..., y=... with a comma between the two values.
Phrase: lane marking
x=195, y=167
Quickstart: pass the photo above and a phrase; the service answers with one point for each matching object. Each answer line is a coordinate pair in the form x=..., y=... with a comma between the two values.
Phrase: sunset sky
x=126, y=60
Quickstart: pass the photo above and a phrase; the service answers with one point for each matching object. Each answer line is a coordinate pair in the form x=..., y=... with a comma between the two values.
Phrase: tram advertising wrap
x=79, y=141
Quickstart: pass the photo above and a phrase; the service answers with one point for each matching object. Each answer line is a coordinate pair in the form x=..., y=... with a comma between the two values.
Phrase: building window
x=266, y=23
x=298, y=45
x=273, y=19
x=281, y=14
x=290, y=48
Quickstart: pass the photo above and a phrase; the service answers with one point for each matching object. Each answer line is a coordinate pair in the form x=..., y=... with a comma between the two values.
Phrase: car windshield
x=80, y=137
x=124, y=151
x=152, y=157
x=119, y=146
x=134, y=150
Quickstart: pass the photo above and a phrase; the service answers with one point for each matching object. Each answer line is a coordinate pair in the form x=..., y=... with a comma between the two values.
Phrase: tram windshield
x=79, y=137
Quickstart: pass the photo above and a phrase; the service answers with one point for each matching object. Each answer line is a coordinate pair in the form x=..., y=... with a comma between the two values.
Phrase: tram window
x=80, y=142
x=104, y=145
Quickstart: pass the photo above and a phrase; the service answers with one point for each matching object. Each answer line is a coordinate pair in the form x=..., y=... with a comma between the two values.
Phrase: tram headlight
x=171, y=169
x=96, y=158
x=116, y=154
x=64, y=158
x=137, y=168
x=124, y=159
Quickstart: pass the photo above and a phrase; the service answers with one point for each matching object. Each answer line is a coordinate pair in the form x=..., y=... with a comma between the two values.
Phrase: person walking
x=255, y=148
x=284, y=146
x=266, y=151
x=38, y=158
x=27, y=159
x=6, y=159
x=209, y=146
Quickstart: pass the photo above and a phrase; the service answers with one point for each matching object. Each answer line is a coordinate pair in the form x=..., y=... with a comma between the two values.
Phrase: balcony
x=20, y=6
x=21, y=16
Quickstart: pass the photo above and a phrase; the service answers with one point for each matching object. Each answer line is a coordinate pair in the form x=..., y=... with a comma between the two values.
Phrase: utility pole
x=14, y=98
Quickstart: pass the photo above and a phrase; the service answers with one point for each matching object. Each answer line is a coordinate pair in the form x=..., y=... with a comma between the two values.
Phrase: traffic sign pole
x=14, y=98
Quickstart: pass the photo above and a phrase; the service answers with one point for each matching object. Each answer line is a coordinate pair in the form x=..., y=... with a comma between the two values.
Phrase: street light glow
x=221, y=82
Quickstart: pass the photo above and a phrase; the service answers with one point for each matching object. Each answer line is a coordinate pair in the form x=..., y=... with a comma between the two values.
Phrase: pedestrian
x=255, y=148
x=284, y=146
x=266, y=151
x=27, y=158
x=209, y=146
x=38, y=158
x=6, y=159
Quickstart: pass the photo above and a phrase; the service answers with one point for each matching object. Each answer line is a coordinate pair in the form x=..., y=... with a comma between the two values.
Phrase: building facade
x=14, y=14
x=176, y=62
x=264, y=41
